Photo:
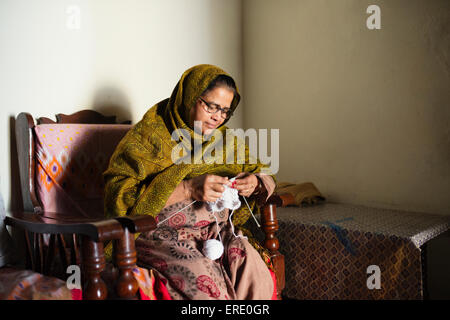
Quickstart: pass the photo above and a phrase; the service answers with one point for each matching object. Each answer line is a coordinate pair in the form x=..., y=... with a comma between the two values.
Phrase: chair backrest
x=61, y=163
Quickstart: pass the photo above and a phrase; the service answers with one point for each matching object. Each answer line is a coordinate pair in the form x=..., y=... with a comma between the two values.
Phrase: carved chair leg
x=125, y=252
x=270, y=227
x=278, y=264
x=94, y=263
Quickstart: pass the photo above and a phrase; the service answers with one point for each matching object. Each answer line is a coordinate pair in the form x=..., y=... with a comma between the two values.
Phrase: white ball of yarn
x=213, y=249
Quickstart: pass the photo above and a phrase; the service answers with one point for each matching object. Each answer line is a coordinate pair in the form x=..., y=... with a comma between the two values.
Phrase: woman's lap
x=174, y=251
x=239, y=274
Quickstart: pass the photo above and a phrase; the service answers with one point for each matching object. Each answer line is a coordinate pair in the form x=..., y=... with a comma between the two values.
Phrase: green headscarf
x=141, y=174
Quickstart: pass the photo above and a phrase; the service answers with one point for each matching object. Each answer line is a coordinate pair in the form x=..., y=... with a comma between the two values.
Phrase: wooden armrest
x=94, y=232
x=281, y=200
x=96, y=229
x=138, y=224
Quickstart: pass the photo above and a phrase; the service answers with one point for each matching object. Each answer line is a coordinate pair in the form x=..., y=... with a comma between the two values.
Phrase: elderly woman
x=144, y=179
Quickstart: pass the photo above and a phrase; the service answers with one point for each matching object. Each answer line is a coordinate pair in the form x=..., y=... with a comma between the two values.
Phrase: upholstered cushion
x=28, y=285
x=70, y=160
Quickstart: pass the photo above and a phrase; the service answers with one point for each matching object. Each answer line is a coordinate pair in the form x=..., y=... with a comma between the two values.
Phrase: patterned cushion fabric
x=70, y=160
x=28, y=285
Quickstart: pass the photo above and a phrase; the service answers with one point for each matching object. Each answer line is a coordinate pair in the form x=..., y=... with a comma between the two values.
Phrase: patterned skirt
x=174, y=252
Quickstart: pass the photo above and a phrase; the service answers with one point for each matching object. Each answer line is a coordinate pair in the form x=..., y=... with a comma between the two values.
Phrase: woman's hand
x=207, y=187
x=246, y=184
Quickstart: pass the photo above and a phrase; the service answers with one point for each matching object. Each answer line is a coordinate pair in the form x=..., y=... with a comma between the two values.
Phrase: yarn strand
x=217, y=225
x=176, y=212
x=259, y=226
x=232, y=227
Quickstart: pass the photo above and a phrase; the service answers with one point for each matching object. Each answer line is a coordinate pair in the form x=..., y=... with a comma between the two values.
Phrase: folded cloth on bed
x=304, y=193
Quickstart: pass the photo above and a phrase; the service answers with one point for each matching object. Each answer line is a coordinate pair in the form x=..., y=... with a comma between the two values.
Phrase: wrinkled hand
x=207, y=187
x=246, y=183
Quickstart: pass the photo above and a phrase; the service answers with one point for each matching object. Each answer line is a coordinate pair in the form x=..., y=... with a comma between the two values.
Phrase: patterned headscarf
x=141, y=174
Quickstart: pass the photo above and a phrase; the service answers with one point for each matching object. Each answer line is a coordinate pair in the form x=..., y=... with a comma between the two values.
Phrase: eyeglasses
x=225, y=113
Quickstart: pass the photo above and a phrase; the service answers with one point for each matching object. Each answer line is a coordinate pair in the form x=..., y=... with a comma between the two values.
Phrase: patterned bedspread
x=330, y=248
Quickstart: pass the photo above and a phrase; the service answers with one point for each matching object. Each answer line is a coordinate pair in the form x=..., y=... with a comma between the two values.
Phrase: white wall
x=126, y=56
x=364, y=114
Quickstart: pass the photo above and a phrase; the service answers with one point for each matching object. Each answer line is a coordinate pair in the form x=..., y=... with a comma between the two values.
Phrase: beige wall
x=364, y=114
x=126, y=56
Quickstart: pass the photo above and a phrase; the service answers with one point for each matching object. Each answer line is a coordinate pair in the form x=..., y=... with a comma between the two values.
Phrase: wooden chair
x=92, y=232
x=269, y=224
x=54, y=234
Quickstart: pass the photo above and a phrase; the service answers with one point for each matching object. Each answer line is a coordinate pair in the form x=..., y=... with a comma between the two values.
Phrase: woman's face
x=220, y=96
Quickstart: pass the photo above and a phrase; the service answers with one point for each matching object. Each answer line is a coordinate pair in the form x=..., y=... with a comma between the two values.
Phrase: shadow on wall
x=438, y=266
x=16, y=203
x=109, y=100
x=16, y=192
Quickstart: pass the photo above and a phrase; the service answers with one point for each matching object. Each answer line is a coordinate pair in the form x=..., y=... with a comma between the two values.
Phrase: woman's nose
x=216, y=116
